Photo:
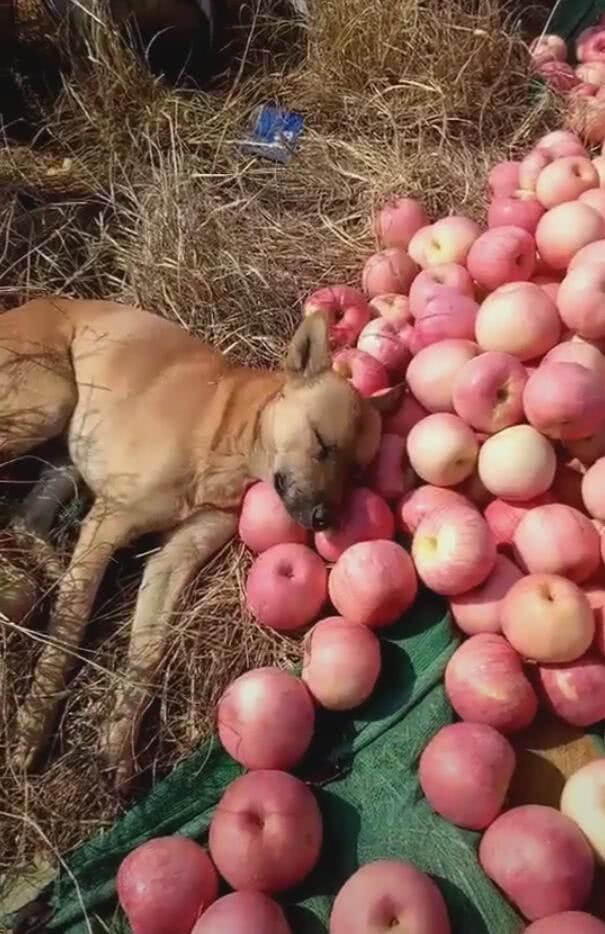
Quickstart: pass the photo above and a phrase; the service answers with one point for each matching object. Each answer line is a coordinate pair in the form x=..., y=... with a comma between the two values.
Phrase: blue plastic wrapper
x=274, y=133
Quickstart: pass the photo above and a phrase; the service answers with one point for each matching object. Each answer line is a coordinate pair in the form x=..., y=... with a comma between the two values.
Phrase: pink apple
x=503, y=179
x=590, y=45
x=432, y=373
x=453, y=550
x=547, y=618
x=561, y=143
x=266, y=719
x=485, y=683
x=464, y=773
x=253, y=827
x=415, y=505
x=583, y=89
x=539, y=859
x=251, y=912
x=341, y=663
x=429, y=283
x=517, y=463
x=397, y=222
x=582, y=801
x=389, y=896
x=442, y=449
x=488, y=392
x=591, y=72
x=580, y=352
x=286, y=587
x=391, y=270
x=521, y=209
x=403, y=419
x=347, y=310
x=563, y=231
x=163, y=885
x=264, y=521
x=478, y=610
x=595, y=198
x=559, y=75
x=599, y=164
x=593, y=490
x=446, y=241
x=565, y=401
x=518, y=319
x=549, y=285
x=448, y=315
x=504, y=517
x=385, y=341
x=392, y=307
x=558, y=539
x=547, y=48
x=575, y=692
x=364, y=516
x=531, y=167
x=565, y=179
x=503, y=254
x=592, y=253
x=581, y=300
x=367, y=374
x=567, y=921
x=373, y=583
x=389, y=474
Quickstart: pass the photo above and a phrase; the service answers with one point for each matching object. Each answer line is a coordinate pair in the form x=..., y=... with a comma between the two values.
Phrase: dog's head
x=321, y=431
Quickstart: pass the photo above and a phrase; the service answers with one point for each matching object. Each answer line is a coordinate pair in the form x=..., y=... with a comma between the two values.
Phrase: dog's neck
x=261, y=457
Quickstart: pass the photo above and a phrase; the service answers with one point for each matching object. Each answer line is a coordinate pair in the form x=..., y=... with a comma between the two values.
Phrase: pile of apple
x=492, y=465
x=584, y=84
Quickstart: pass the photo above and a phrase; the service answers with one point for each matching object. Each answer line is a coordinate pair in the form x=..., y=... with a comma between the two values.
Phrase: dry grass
x=145, y=196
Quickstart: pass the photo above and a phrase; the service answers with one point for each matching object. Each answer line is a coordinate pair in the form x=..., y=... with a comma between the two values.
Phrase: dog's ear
x=387, y=400
x=309, y=352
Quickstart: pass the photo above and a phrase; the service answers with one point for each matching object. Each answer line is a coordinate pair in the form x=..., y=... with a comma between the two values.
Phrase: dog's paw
x=32, y=731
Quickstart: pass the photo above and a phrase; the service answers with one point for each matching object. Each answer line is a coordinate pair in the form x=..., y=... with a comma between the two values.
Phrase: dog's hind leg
x=103, y=531
x=167, y=574
x=58, y=484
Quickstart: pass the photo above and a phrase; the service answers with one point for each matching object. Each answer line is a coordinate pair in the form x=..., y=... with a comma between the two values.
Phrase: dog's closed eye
x=324, y=449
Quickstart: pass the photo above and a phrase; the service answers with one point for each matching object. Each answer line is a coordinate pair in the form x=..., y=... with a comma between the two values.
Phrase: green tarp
x=364, y=773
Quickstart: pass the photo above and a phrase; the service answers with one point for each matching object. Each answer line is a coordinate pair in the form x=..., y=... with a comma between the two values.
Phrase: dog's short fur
x=167, y=435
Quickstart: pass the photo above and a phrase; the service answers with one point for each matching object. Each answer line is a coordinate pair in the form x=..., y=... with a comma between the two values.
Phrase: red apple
x=590, y=44
x=393, y=307
x=432, y=373
x=264, y=521
x=503, y=179
x=590, y=254
x=593, y=490
x=531, y=167
x=366, y=373
x=415, y=505
x=453, y=549
x=391, y=270
x=373, y=583
x=386, y=342
x=576, y=691
x=517, y=464
x=581, y=300
x=559, y=75
x=347, y=310
x=519, y=319
x=558, y=539
x=341, y=663
x=446, y=241
x=403, y=419
x=548, y=48
x=286, y=587
x=239, y=912
x=578, y=351
x=266, y=719
x=565, y=179
x=442, y=449
x=521, y=209
x=547, y=618
x=390, y=474
x=429, y=283
x=504, y=517
x=479, y=610
x=488, y=392
x=165, y=884
x=565, y=230
x=397, y=222
x=582, y=801
x=540, y=860
x=447, y=315
x=485, y=683
x=503, y=254
x=465, y=772
x=560, y=143
x=389, y=897
x=567, y=922
x=364, y=516
x=565, y=401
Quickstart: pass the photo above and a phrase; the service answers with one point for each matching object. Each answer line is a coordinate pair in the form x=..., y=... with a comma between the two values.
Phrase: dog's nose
x=320, y=518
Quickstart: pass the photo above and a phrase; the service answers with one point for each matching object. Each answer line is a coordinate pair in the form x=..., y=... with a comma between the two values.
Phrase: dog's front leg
x=166, y=575
x=104, y=530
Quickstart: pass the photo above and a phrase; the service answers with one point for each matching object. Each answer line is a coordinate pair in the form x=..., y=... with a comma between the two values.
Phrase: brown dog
x=167, y=435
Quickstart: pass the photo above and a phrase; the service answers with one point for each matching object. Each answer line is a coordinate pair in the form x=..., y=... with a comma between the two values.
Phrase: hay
x=143, y=195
